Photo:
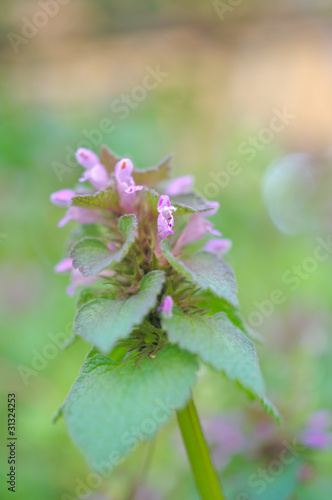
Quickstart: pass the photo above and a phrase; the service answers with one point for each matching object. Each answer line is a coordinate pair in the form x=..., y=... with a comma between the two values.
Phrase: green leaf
x=154, y=175
x=190, y=202
x=91, y=255
x=152, y=197
x=108, y=199
x=216, y=304
x=207, y=271
x=104, y=321
x=220, y=344
x=108, y=158
x=96, y=292
x=112, y=407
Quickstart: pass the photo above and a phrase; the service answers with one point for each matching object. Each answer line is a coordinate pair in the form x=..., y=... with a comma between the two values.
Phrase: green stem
x=198, y=454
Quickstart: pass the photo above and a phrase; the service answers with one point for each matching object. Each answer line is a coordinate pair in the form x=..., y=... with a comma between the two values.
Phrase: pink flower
x=86, y=158
x=180, y=185
x=97, y=176
x=63, y=197
x=165, y=218
x=316, y=433
x=166, y=306
x=126, y=184
x=225, y=433
x=82, y=215
x=218, y=246
x=196, y=228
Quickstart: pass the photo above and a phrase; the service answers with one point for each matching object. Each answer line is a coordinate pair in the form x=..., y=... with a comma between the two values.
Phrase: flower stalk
x=198, y=453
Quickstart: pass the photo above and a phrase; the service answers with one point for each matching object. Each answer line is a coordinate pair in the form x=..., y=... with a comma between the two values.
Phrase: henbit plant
x=158, y=298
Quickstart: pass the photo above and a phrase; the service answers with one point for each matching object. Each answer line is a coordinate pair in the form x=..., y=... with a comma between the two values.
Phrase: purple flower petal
x=218, y=246
x=166, y=306
x=64, y=266
x=63, y=197
x=110, y=245
x=86, y=158
x=316, y=434
x=214, y=207
x=133, y=189
x=180, y=185
x=97, y=175
x=126, y=184
x=82, y=215
x=165, y=218
x=196, y=228
x=316, y=438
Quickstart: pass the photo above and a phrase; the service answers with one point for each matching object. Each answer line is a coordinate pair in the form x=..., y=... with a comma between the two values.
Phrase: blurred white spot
x=288, y=188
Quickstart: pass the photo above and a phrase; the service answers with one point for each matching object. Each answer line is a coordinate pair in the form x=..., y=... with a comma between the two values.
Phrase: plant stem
x=198, y=453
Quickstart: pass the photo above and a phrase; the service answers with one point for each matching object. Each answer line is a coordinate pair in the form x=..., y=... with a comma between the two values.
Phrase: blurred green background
x=227, y=69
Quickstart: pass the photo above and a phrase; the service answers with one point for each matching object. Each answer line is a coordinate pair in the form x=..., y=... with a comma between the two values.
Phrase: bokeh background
x=226, y=69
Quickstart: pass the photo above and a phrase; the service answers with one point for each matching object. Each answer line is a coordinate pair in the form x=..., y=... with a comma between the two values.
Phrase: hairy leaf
x=91, y=255
x=221, y=344
x=154, y=175
x=108, y=158
x=104, y=321
x=112, y=407
x=108, y=199
x=152, y=198
x=191, y=201
x=216, y=304
x=206, y=270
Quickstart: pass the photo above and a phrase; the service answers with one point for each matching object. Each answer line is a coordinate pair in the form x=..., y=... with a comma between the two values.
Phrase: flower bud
x=166, y=306
x=86, y=158
x=63, y=197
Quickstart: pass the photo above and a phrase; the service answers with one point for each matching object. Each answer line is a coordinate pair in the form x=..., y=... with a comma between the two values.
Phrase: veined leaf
x=152, y=198
x=207, y=271
x=154, y=175
x=108, y=199
x=190, y=201
x=104, y=321
x=91, y=255
x=108, y=158
x=112, y=407
x=222, y=345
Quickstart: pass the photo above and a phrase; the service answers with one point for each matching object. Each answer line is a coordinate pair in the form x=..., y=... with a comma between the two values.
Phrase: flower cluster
x=121, y=182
